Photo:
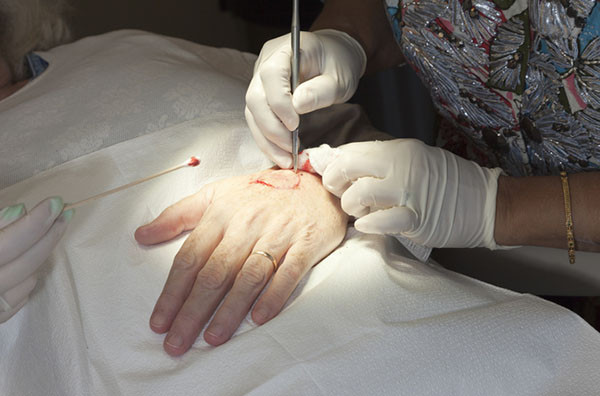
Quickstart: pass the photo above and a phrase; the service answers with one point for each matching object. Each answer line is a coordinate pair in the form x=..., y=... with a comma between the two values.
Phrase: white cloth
x=366, y=320
x=106, y=89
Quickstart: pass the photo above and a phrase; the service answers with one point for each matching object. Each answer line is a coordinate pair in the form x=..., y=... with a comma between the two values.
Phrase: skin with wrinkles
x=230, y=219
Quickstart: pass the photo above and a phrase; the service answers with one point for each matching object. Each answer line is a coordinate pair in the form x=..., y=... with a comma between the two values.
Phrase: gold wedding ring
x=270, y=257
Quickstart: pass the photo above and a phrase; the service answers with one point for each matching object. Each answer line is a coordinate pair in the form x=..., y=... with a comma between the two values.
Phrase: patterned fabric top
x=36, y=65
x=516, y=81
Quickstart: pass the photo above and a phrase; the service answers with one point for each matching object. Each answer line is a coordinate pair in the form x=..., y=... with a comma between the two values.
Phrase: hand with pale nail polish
x=26, y=241
x=273, y=225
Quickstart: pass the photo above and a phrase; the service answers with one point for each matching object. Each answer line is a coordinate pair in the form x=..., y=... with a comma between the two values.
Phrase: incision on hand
x=284, y=179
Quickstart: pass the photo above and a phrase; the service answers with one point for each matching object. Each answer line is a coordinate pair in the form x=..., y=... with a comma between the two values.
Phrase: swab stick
x=193, y=161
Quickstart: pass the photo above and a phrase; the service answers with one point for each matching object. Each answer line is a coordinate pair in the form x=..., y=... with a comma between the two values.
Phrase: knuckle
x=211, y=278
x=184, y=260
x=291, y=273
x=252, y=274
x=252, y=95
x=187, y=319
x=268, y=69
x=167, y=301
x=310, y=233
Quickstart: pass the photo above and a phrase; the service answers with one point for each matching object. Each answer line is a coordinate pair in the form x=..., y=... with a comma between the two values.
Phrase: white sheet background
x=106, y=89
x=366, y=321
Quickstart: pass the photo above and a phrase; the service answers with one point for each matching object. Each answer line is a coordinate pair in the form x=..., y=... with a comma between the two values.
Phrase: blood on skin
x=280, y=179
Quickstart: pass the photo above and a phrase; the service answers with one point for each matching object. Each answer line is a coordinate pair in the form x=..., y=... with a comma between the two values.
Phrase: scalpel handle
x=295, y=72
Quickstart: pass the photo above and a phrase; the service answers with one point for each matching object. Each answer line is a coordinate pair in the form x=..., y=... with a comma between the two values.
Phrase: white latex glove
x=26, y=241
x=424, y=193
x=331, y=63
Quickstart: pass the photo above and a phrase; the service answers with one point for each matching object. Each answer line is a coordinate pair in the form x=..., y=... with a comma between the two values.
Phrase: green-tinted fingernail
x=56, y=205
x=12, y=212
x=68, y=215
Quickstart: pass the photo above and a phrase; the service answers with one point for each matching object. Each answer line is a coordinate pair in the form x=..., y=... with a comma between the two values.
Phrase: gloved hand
x=26, y=241
x=424, y=193
x=331, y=63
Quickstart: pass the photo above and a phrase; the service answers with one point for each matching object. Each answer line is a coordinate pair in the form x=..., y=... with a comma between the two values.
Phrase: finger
x=20, y=292
x=212, y=283
x=177, y=218
x=18, y=237
x=296, y=263
x=281, y=157
x=250, y=281
x=369, y=194
x=10, y=214
x=265, y=119
x=4, y=316
x=335, y=180
x=395, y=220
x=314, y=94
x=190, y=259
x=275, y=76
x=363, y=159
x=357, y=198
x=25, y=265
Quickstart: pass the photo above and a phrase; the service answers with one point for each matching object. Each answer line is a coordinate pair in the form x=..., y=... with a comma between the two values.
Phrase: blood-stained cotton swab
x=192, y=162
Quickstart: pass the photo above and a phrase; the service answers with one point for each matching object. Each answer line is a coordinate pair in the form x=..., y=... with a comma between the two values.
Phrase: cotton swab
x=193, y=161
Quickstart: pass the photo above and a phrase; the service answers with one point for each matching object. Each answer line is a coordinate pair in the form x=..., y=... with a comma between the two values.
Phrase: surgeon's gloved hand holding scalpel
x=331, y=65
x=404, y=187
x=26, y=241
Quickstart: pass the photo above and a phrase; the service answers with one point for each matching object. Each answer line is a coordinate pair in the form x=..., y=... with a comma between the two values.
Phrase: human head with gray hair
x=30, y=25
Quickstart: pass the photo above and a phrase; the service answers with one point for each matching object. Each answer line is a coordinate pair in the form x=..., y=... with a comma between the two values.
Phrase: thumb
x=314, y=94
x=177, y=218
x=396, y=220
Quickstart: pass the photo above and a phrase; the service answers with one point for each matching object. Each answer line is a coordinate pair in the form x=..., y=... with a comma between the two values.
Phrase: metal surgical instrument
x=295, y=71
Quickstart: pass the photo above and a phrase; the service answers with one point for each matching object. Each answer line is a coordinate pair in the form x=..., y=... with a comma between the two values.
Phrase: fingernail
x=261, y=315
x=216, y=331
x=68, y=215
x=12, y=212
x=174, y=340
x=56, y=205
x=158, y=320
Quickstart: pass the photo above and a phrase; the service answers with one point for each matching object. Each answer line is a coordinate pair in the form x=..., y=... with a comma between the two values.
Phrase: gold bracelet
x=568, y=216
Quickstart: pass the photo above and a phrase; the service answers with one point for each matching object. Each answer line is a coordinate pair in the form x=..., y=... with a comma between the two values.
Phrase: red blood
x=281, y=180
x=264, y=183
x=193, y=161
x=307, y=166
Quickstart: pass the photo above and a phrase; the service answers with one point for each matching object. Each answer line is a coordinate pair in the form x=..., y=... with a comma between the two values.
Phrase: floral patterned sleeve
x=516, y=82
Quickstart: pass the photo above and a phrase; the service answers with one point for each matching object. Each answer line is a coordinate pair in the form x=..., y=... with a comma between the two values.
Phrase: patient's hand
x=290, y=216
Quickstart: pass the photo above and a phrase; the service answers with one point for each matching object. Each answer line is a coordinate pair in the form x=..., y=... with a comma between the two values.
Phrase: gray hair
x=30, y=25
